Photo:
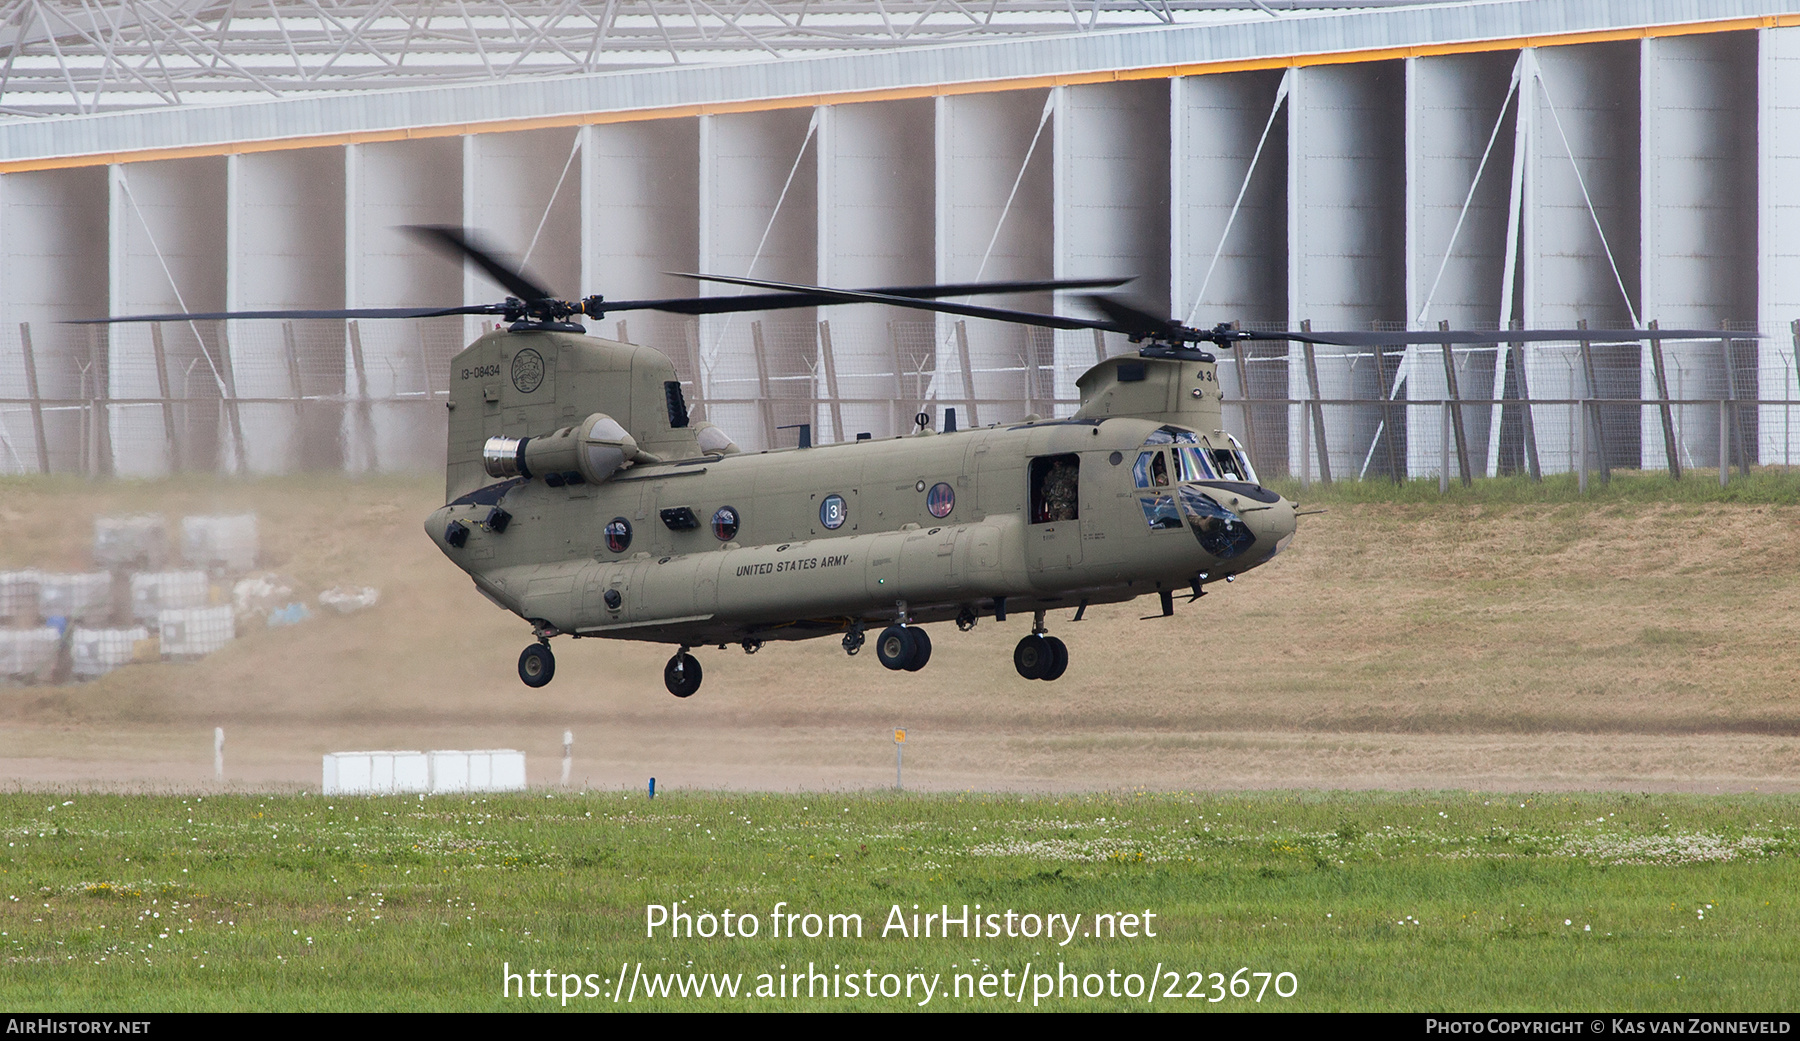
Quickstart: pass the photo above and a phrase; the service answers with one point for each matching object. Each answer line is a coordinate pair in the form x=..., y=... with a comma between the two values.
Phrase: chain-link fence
x=283, y=396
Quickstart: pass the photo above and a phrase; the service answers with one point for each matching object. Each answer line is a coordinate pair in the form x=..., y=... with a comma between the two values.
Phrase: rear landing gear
x=537, y=666
x=903, y=647
x=682, y=674
x=1041, y=657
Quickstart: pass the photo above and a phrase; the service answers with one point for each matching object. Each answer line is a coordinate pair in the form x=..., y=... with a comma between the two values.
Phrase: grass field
x=1371, y=901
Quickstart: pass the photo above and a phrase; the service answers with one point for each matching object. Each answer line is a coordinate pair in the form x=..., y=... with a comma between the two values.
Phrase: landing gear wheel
x=921, y=649
x=1033, y=656
x=537, y=665
x=895, y=647
x=682, y=675
x=1059, y=659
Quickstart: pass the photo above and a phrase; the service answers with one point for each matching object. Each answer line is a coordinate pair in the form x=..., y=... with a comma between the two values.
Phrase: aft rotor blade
x=458, y=241
x=355, y=312
x=1483, y=336
x=1140, y=321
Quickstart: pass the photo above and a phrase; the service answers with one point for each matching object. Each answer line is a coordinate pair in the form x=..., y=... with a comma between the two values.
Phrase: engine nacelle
x=594, y=449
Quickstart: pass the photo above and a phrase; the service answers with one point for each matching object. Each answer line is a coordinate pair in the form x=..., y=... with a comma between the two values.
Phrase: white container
x=375, y=773
x=96, y=652
x=133, y=542
x=159, y=591
x=19, y=594
x=76, y=597
x=28, y=653
x=487, y=770
x=223, y=544
x=195, y=631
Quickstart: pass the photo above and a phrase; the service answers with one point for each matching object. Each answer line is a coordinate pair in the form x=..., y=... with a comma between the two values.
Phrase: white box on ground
x=195, y=631
x=28, y=652
x=486, y=770
x=137, y=541
x=158, y=591
x=96, y=652
x=220, y=543
x=19, y=593
x=438, y=771
x=75, y=597
x=375, y=773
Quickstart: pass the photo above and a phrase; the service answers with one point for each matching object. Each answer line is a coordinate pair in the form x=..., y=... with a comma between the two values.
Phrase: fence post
x=1662, y=396
x=1318, y=406
x=762, y=383
x=968, y=370
x=1737, y=416
x=897, y=407
x=1724, y=445
x=1581, y=445
x=365, y=411
x=1444, y=450
x=37, y=401
x=1593, y=391
x=829, y=359
x=1454, y=411
x=168, y=405
x=1528, y=422
x=232, y=414
x=1256, y=458
x=1387, y=412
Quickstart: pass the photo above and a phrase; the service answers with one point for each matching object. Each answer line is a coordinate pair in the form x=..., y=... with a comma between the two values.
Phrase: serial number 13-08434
x=480, y=372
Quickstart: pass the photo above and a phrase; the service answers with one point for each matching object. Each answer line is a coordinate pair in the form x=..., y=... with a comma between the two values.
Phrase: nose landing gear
x=1040, y=656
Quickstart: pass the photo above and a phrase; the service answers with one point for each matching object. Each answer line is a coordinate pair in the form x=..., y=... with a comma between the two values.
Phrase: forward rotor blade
x=1483, y=336
x=925, y=292
x=358, y=312
x=852, y=296
x=458, y=241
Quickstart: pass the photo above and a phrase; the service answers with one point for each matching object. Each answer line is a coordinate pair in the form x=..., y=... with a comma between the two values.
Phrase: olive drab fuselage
x=1140, y=492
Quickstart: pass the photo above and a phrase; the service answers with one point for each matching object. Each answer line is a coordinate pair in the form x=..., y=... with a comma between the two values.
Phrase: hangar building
x=1379, y=164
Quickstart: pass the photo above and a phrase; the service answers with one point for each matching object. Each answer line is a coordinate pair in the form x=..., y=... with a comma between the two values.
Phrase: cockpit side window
x=1151, y=470
x=1225, y=461
x=1055, y=488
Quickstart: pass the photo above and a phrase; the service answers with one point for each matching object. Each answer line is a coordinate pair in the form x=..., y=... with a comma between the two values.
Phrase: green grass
x=1373, y=901
x=1771, y=486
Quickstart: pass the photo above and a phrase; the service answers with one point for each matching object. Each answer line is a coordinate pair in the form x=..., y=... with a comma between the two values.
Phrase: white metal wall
x=1645, y=178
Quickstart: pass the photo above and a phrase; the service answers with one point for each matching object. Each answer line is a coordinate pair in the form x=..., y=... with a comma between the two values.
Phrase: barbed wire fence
x=264, y=397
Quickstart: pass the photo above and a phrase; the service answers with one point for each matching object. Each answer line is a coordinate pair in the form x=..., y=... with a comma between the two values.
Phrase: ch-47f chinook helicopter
x=583, y=498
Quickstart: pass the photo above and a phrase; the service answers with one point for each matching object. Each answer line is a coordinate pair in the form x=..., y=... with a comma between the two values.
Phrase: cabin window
x=1160, y=513
x=1055, y=488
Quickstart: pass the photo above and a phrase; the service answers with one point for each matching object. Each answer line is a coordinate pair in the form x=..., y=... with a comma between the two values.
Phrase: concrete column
x=758, y=218
x=1346, y=215
x=983, y=141
x=286, y=233
x=876, y=228
x=1585, y=117
x=168, y=254
x=640, y=183
x=1215, y=125
x=1111, y=206
x=1778, y=246
x=389, y=186
x=55, y=250
x=1698, y=145
x=1454, y=273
